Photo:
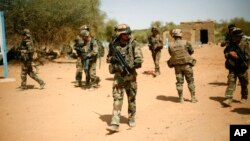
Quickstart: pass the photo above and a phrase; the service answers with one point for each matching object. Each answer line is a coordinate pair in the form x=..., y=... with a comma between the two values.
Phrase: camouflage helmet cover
x=122, y=29
x=154, y=28
x=26, y=32
x=231, y=26
x=237, y=32
x=84, y=27
x=84, y=33
x=177, y=33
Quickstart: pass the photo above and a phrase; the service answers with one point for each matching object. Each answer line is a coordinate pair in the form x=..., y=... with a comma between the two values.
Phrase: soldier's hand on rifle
x=88, y=56
x=233, y=54
x=113, y=59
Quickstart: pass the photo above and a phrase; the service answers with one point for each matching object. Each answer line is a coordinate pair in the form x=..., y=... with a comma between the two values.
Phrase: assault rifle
x=242, y=58
x=122, y=63
x=86, y=63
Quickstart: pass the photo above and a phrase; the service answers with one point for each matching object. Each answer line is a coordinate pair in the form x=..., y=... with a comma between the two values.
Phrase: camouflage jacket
x=241, y=63
x=155, y=43
x=25, y=50
x=180, y=53
x=131, y=53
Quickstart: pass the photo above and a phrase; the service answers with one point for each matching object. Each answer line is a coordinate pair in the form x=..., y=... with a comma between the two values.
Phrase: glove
x=137, y=65
x=88, y=56
x=113, y=59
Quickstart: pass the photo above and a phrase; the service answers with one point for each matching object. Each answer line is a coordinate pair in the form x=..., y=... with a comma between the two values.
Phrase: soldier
x=183, y=62
x=155, y=44
x=26, y=53
x=78, y=47
x=237, y=56
x=125, y=57
x=89, y=58
x=228, y=37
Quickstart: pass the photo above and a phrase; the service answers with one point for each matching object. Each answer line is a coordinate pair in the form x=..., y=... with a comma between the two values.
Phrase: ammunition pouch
x=170, y=65
x=113, y=68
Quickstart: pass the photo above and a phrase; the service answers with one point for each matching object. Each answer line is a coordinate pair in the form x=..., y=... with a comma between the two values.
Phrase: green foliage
x=109, y=29
x=52, y=21
x=141, y=36
x=222, y=28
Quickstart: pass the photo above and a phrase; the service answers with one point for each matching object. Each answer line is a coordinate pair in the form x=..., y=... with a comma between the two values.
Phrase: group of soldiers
x=124, y=57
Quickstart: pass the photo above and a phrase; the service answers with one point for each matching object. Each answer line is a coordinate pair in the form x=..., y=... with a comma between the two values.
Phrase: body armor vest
x=179, y=55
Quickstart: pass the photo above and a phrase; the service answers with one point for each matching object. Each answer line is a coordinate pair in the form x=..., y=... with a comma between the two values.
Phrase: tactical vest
x=128, y=53
x=25, y=46
x=179, y=55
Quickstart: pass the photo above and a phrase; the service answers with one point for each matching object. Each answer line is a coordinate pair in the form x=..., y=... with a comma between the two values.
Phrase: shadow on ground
x=243, y=111
x=170, y=98
x=218, y=83
x=221, y=99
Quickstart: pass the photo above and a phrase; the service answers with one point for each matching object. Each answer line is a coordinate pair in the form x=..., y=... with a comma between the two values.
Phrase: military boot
x=193, y=98
x=228, y=101
x=181, y=99
x=42, y=84
x=131, y=122
x=96, y=82
x=78, y=83
x=113, y=128
x=22, y=87
x=157, y=71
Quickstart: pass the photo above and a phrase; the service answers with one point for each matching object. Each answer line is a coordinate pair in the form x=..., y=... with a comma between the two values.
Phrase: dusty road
x=63, y=112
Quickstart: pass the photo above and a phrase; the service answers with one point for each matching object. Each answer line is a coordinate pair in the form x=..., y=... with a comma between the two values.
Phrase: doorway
x=204, y=36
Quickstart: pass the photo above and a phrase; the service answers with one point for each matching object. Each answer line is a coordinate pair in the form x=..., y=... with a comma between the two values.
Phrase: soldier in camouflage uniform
x=155, y=44
x=237, y=56
x=78, y=47
x=183, y=62
x=26, y=53
x=89, y=58
x=228, y=38
x=132, y=55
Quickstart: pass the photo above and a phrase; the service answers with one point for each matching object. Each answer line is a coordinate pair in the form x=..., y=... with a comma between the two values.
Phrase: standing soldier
x=124, y=57
x=155, y=44
x=26, y=53
x=237, y=56
x=78, y=47
x=183, y=62
x=89, y=58
x=228, y=38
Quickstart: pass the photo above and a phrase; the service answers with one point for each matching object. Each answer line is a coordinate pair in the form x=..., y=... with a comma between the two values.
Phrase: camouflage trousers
x=186, y=71
x=91, y=74
x=232, y=78
x=156, y=55
x=130, y=86
x=28, y=70
x=79, y=69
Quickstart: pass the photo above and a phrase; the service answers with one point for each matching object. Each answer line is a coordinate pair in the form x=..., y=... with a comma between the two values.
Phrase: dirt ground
x=63, y=112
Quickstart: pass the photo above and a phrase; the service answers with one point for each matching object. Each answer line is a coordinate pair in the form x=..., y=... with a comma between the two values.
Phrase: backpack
x=101, y=50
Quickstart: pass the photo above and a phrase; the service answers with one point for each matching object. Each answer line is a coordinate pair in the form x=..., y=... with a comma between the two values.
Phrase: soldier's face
x=24, y=37
x=237, y=39
x=124, y=38
x=85, y=38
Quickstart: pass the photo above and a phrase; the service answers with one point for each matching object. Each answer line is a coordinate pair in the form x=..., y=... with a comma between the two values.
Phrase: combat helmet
x=84, y=27
x=84, y=33
x=236, y=32
x=231, y=26
x=26, y=32
x=154, y=28
x=122, y=29
x=176, y=33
